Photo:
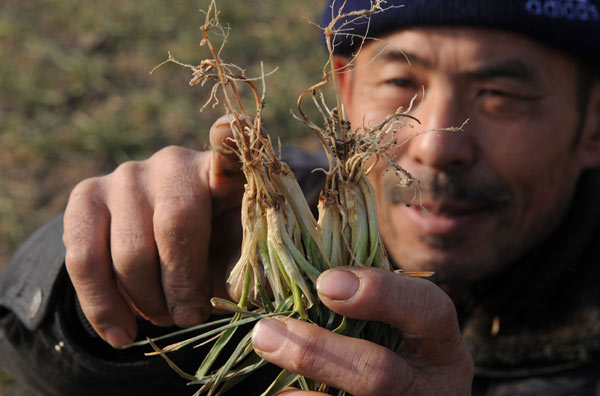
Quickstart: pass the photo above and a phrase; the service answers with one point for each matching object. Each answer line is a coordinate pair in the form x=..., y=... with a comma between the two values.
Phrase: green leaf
x=236, y=354
x=342, y=327
x=285, y=306
x=253, y=363
x=303, y=384
x=304, y=265
x=181, y=332
x=372, y=219
x=271, y=272
x=215, y=351
x=266, y=301
x=208, y=334
x=283, y=380
x=357, y=221
x=276, y=229
x=226, y=305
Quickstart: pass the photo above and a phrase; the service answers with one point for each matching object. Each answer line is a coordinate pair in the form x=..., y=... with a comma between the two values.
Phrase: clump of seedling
x=284, y=248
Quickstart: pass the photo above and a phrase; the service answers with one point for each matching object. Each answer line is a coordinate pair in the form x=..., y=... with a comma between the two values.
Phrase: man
x=506, y=216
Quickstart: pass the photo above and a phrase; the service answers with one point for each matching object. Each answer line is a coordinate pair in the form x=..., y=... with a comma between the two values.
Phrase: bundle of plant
x=284, y=248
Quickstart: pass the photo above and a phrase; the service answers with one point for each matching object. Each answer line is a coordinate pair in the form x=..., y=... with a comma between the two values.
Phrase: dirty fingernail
x=224, y=121
x=269, y=334
x=117, y=337
x=338, y=284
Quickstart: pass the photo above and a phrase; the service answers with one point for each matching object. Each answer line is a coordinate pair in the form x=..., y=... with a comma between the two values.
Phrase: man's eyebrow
x=387, y=53
x=512, y=68
x=508, y=68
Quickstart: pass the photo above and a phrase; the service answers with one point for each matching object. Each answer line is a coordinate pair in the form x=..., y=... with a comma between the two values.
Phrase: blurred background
x=77, y=99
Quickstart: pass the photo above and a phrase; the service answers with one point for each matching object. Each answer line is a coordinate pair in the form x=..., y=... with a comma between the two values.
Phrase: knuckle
x=102, y=310
x=410, y=385
x=86, y=267
x=127, y=171
x=129, y=264
x=86, y=203
x=129, y=247
x=379, y=383
x=307, y=351
x=92, y=296
x=93, y=313
x=181, y=294
x=178, y=217
x=188, y=304
x=181, y=286
x=78, y=261
x=84, y=212
x=383, y=378
x=86, y=193
x=172, y=223
x=126, y=183
x=178, y=169
x=457, y=378
x=432, y=304
x=439, y=305
x=81, y=258
x=76, y=244
x=170, y=154
x=95, y=308
x=86, y=187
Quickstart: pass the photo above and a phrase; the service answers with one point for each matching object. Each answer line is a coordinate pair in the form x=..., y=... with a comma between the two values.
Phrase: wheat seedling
x=281, y=237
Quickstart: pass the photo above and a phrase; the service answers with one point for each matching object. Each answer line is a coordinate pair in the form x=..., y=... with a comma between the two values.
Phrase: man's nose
x=439, y=143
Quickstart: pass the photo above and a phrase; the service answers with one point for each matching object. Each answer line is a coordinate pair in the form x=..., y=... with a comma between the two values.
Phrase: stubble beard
x=448, y=256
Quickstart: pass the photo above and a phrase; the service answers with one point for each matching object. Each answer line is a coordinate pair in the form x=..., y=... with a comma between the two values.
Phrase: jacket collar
x=543, y=314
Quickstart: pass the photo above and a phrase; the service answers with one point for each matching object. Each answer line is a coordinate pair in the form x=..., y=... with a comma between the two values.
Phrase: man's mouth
x=445, y=218
x=448, y=205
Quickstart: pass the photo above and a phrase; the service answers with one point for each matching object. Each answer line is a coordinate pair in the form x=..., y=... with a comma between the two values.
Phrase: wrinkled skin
x=137, y=239
x=492, y=191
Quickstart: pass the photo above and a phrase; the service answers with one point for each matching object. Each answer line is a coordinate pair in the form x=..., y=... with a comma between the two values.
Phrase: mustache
x=489, y=193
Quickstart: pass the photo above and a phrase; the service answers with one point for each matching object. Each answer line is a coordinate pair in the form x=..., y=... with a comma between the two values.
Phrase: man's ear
x=343, y=75
x=591, y=131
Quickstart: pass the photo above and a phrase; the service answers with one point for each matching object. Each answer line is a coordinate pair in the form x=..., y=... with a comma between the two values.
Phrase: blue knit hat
x=572, y=26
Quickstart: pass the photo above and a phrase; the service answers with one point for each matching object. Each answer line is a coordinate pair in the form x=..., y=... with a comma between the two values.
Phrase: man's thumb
x=226, y=177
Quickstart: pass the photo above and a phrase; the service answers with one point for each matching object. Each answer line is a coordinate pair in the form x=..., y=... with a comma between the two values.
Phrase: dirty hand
x=138, y=240
x=432, y=359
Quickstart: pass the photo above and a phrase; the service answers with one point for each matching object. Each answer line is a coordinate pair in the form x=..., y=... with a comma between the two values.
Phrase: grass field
x=77, y=99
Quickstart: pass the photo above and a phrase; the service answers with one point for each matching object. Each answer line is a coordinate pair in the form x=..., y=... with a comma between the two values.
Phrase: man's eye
x=401, y=82
x=396, y=92
x=496, y=92
x=506, y=103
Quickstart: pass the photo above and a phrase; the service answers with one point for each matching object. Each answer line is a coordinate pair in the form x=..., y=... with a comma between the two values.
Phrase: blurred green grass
x=76, y=97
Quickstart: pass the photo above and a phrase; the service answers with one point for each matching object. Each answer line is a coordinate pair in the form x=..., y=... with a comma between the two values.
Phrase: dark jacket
x=534, y=330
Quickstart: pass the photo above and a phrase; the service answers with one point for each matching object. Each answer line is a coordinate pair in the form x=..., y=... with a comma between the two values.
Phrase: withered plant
x=284, y=248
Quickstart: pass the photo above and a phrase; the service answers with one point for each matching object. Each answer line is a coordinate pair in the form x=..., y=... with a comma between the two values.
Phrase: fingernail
x=224, y=121
x=269, y=334
x=185, y=316
x=117, y=337
x=338, y=284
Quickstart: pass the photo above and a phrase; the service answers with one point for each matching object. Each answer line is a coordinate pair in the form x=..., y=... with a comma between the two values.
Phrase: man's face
x=486, y=194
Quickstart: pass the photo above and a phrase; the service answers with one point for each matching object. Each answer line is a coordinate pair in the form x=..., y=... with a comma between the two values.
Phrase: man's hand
x=139, y=238
x=432, y=360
